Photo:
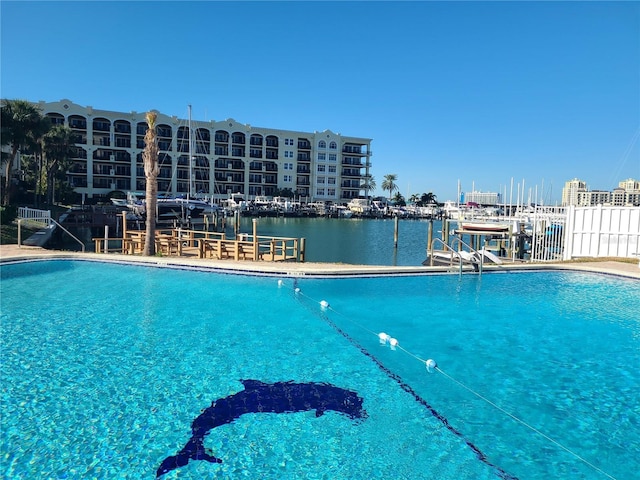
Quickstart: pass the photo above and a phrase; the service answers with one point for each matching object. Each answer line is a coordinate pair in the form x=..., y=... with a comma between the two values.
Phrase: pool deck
x=10, y=253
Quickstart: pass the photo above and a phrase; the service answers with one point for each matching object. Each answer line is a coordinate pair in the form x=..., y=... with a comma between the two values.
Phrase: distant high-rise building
x=482, y=198
x=629, y=184
x=575, y=192
x=571, y=191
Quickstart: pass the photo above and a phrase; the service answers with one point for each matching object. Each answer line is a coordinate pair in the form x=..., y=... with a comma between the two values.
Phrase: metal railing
x=34, y=215
x=476, y=259
x=51, y=221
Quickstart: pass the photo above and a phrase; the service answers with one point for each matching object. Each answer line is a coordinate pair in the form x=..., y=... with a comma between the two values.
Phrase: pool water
x=104, y=368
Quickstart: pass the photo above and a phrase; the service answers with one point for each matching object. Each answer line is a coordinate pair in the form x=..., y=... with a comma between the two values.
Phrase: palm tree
x=22, y=124
x=429, y=198
x=399, y=200
x=56, y=149
x=389, y=183
x=368, y=185
x=151, y=171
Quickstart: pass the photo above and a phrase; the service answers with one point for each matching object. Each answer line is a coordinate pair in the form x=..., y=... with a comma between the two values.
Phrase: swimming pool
x=105, y=367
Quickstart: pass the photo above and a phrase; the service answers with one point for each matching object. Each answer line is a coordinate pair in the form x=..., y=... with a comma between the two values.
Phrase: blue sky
x=481, y=92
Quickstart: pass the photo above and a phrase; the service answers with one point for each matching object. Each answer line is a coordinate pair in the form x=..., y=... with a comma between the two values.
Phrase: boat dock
x=203, y=244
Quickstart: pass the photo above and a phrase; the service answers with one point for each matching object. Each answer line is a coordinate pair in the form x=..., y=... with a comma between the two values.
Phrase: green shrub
x=8, y=214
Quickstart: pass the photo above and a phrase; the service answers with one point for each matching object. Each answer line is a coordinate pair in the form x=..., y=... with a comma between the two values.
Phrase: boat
x=484, y=227
x=343, y=212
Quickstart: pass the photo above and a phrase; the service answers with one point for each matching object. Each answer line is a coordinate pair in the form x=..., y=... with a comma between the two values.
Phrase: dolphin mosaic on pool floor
x=259, y=397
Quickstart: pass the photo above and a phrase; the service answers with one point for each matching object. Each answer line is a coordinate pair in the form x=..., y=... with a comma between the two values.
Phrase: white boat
x=359, y=206
x=484, y=227
x=343, y=212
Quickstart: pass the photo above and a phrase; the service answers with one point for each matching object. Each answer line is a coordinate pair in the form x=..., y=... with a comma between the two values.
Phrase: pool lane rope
x=431, y=367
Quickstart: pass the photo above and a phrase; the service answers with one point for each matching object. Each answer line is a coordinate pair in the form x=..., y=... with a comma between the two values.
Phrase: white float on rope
x=384, y=338
x=297, y=290
x=393, y=343
x=279, y=283
x=324, y=304
x=431, y=365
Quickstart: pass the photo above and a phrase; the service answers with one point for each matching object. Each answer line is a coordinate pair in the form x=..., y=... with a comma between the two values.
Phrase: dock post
x=395, y=232
x=255, y=239
x=430, y=235
x=445, y=232
x=124, y=224
x=302, y=252
x=124, y=232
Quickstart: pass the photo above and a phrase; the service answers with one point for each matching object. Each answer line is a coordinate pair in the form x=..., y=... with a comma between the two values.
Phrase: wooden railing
x=203, y=244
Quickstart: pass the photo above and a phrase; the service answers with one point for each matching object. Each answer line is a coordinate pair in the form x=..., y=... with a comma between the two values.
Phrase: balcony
x=101, y=126
x=123, y=142
x=78, y=124
x=357, y=149
x=102, y=141
x=162, y=132
x=352, y=163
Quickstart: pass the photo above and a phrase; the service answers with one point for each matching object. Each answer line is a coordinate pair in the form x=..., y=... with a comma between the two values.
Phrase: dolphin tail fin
x=194, y=450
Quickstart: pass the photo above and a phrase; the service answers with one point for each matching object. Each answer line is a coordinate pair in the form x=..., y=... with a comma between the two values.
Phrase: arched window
x=333, y=145
x=56, y=118
x=322, y=144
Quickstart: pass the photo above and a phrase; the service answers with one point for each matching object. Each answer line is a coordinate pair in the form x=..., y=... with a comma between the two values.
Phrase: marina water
x=353, y=240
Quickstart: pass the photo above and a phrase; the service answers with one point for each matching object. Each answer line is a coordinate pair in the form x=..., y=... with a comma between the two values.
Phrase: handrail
x=474, y=252
x=471, y=250
x=446, y=247
x=51, y=220
x=70, y=234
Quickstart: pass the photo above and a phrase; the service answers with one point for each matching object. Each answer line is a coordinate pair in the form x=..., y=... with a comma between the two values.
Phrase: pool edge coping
x=13, y=253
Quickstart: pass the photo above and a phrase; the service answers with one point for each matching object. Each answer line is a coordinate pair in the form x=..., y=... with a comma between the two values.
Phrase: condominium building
x=571, y=190
x=214, y=158
x=593, y=197
x=482, y=198
x=575, y=192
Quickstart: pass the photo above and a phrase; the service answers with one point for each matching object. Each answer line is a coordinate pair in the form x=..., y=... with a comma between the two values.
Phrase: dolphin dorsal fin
x=252, y=384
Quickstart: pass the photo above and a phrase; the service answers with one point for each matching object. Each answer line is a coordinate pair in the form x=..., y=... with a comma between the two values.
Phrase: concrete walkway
x=13, y=253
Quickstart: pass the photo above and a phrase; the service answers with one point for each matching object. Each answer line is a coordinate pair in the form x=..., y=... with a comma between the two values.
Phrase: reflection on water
x=353, y=241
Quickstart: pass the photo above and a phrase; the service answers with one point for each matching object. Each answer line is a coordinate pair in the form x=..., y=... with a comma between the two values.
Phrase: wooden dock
x=203, y=244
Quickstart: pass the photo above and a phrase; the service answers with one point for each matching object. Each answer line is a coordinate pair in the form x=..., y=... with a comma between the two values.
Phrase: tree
x=415, y=199
x=284, y=192
x=428, y=199
x=389, y=183
x=57, y=146
x=368, y=185
x=151, y=171
x=22, y=124
x=399, y=200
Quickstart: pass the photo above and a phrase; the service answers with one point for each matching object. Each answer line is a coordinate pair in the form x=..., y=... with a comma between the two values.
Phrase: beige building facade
x=210, y=158
x=576, y=193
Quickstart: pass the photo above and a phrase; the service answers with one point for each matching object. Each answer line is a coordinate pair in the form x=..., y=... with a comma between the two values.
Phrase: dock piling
x=395, y=232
